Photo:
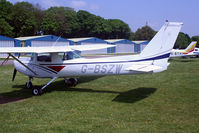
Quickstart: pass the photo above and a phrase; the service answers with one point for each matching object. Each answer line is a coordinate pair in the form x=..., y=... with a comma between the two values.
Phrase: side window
x=70, y=55
x=44, y=57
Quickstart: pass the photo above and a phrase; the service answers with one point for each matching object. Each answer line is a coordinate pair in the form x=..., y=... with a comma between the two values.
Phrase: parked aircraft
x=196, y=51
x=189, y=51
x=63, y=62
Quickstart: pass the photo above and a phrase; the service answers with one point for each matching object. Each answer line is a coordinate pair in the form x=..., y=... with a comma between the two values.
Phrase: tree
x=24, y=21
x=73, y=25
x=86, y=22
x=92, y=25
x=196, y=38
x=119, y=29
x=56, y=21
x=182, y=41
x=132, y=36
x=145, y=33
x=39, y=15
x=6, y=9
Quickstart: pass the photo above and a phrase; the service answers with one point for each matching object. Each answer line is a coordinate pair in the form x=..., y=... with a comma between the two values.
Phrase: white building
x=90, y=41
x=140, y=45
x=8, y=42
x=122, y=46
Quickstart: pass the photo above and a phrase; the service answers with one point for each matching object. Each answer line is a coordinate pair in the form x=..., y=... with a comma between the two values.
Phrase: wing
x=53, y=49
x=143, y=68
x=34, y=49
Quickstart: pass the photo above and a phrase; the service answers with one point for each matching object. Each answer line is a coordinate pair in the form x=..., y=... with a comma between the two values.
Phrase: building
x=42, y=41
x=122, y=46
x=8, y=42
x=140, y=45
x=90, y=41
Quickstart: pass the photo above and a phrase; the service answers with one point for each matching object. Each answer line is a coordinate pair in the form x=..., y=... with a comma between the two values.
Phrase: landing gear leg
x=38, y=91
x=71, y=82
x=29, y=83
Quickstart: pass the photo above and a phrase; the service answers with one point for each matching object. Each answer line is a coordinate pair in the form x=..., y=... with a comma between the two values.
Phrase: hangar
x=122, y=46
x=44, y=40
x=140, y=45
x=89, y=41
x=8, y=42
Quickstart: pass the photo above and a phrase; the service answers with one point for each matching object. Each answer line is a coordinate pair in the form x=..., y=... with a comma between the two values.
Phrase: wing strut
x=22, y=63
x=5, y=60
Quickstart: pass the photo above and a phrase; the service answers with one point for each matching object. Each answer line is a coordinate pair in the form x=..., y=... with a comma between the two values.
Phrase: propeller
x=14, y=74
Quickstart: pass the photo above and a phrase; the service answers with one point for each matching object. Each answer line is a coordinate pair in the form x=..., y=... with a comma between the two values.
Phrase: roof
x=88, y=40
x=141, y=41
x=6, y=38
x=44, y=38
x=79, y=39
x=125, y=41
x=113, y=40
x=30, y=37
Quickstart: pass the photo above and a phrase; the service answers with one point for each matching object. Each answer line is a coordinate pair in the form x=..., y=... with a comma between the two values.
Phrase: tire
x=71, y=82
x=37, y=91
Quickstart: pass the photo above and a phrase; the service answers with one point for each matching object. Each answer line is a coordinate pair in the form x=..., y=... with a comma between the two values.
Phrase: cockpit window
x=44, y=57
x=69, y=55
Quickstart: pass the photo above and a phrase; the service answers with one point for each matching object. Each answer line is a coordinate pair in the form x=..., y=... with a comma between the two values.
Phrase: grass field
x=164, y=102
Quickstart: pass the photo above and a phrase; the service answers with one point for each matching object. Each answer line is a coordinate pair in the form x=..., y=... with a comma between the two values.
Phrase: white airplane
x=62, y=62
x=184, y=52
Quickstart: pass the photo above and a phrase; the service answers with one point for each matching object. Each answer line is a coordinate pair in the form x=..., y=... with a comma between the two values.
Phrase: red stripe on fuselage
x=56, y=68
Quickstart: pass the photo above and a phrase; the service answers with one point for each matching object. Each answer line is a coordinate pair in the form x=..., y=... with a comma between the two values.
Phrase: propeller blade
x=14, y=74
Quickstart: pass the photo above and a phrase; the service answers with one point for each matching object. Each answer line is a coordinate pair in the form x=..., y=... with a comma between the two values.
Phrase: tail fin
x=163, y=41
x=159, y=48
x=191, y=47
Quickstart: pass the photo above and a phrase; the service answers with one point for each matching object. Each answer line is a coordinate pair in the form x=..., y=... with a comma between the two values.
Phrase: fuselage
x=181, y=53
x=57, y=67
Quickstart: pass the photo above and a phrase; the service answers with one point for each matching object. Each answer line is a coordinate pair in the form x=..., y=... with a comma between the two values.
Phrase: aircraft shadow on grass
x=130, y=96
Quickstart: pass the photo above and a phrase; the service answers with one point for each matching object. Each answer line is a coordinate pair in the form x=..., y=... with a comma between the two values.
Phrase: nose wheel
x=37, y=91
x=71, y=82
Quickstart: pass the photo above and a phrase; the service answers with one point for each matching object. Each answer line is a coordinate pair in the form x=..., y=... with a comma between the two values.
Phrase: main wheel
x=71, y=82
x=36, y=91
x=28, y=85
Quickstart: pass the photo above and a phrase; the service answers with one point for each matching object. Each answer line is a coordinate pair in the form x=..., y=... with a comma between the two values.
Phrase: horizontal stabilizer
x=143, y=68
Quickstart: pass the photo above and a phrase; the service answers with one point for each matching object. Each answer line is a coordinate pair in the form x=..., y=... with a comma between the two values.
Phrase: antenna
x=57, y=40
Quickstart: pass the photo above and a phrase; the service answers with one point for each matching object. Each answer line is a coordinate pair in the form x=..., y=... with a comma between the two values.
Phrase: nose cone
x=21, y=68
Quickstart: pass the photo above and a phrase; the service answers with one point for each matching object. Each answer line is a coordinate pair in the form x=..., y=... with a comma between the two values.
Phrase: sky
x=136, y=13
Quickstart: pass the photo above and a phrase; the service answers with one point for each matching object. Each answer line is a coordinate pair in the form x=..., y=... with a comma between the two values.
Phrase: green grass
x=161, y=102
